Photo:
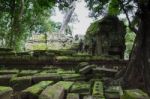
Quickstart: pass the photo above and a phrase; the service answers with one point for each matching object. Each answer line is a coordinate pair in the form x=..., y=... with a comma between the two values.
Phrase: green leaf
x=113, y=8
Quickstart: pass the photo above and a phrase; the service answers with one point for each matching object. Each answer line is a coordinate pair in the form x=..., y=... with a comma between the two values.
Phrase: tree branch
x=127, y=16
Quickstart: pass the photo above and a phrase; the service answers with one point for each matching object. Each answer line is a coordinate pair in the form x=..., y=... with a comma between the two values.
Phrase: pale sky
x=82, y=13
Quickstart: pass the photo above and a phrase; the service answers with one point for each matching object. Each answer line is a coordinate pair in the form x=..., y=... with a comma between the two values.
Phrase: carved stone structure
x=107, y=36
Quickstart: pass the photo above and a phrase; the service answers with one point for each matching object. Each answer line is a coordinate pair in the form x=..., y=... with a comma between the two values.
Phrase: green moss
x=27, y=72
x=76, y=58
x=94, y=28
x=52, y=92
x=98, y=89
x=80, y=87
x=41, y=46
x=71, y=77
x=65, y=84
x=45, y=77
x=37, y=88
x=62, y=71
x=114, y=92
x=73, y=96
x=5, y=89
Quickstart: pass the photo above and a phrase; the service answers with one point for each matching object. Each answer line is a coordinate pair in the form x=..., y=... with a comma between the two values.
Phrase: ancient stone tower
x=108, y=34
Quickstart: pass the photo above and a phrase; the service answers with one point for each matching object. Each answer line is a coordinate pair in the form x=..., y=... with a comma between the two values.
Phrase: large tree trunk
x=67, y=17
x=16, y=17
x=137, y=74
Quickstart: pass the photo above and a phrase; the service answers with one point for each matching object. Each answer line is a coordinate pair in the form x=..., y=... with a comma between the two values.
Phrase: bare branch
x=127, y=16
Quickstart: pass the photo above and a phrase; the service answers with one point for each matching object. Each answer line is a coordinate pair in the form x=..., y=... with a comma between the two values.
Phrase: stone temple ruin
x=66, y=74
x=60, y=74
x=107, y=36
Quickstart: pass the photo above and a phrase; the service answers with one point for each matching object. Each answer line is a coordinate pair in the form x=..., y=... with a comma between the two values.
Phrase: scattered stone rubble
x=84, y=81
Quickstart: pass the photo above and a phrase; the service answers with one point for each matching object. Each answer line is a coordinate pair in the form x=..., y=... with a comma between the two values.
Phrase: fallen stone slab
x=20, y=83
x=34, y=91
x=98, y=89
x=46, y=77
x=65, y=71
x=134, y=94
x=86, y=69
x=73, y=96
x=6, y=72
x=113, y=92
x=80, y=87
x=65, y=84
x=83, y=64
x=5, y=79
x=27, y=72
x=53, y=92
x=73, y=77
x=6, y=92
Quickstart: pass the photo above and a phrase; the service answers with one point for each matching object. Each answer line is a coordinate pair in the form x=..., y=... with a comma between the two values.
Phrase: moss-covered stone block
x=6, y=92
x=65, y=84
x=80, y=87
x=27, y=72
x=134, y=94
x=98, y=89
x=20, y=83
x=53, y=92
x=61, y=71
x=88, y=97
x=5, y=72
x=5, y=79
x=46, y=77
x=73, y=77
x=34, y=91
x=86, y=69
x=73, y=96
x=113, y=92
x=82, y=64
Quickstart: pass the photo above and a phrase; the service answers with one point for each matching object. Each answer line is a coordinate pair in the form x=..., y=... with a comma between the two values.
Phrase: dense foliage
x=20, y=18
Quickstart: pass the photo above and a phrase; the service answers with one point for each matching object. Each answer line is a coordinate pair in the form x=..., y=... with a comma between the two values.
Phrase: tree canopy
x=19, y=18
